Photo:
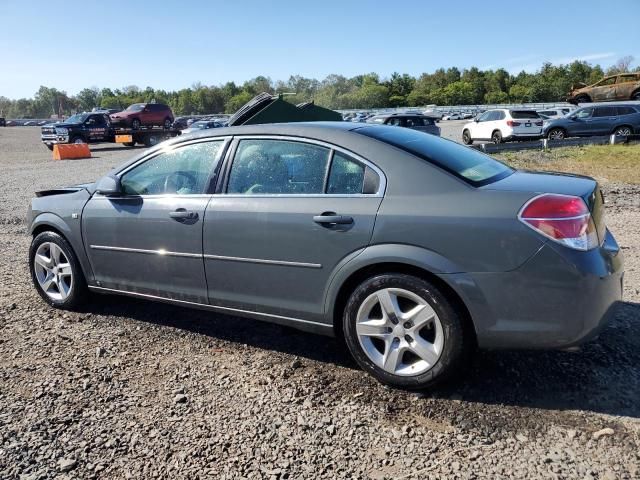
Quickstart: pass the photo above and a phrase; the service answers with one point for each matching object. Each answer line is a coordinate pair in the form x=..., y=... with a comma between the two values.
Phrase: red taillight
x=562, y=218
x=511, y=123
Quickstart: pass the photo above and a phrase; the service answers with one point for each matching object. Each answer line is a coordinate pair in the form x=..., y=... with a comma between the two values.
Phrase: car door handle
x=182, y=214
x=332, y=219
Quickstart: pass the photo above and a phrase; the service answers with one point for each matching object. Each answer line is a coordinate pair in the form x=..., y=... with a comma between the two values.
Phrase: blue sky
x=172, y=44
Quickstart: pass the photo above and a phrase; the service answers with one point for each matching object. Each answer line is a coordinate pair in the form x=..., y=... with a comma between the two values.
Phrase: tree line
x=452, y=86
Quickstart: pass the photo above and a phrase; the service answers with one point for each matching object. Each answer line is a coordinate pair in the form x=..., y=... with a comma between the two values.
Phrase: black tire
x=135, y=124
x=636, y=95
x=78, y=291
x=457, y=341
x=129, y=144
x=466, y=137
x=167, y=123
x=77, y=139
x=556, y=134
x=50, y=147
x=583, y=99
x=496, y=137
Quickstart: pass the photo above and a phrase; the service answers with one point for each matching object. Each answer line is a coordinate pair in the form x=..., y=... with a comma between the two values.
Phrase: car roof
x=634, y=103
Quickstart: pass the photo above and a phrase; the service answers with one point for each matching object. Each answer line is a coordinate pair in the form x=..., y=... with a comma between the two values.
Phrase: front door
x=290, y=212
x=580, y=122
x=97, y=128
x=149, y=239
x=604, y=91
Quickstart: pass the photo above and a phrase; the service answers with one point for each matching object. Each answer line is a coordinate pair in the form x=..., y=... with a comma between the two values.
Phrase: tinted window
x=499, y=115
x=515, y=114
x=183, y=171
x=472, y=166
x=604, y=112
x=484, y=117
x=278, y=166
x=346, y=175
x=626, y=111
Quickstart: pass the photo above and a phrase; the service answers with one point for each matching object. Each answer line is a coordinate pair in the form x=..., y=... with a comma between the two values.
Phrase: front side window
x=184, y=171
x=484, y=117
x=606, y=82
x=265, y=166
x=584, y=113
x=346, y=175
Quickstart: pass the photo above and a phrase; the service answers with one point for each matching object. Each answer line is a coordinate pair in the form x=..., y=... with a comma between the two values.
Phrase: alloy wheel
x=53, y=271
x=556, y=134
x=399, y=332
x=623, y=131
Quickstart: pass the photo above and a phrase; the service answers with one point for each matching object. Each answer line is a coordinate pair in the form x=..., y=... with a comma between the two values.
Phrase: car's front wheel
x=56, y=272
x=402, y=330
x=556, y=134
x=466, y=137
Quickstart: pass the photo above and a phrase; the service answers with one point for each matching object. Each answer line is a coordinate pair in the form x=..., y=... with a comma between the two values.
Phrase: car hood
x=61, y=125
x=89, y=187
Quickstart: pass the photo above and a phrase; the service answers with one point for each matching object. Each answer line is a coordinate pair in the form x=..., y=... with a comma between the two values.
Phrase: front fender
x=384, y=253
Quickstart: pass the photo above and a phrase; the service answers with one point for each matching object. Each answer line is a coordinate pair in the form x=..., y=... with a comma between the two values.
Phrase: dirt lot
x=130, y=389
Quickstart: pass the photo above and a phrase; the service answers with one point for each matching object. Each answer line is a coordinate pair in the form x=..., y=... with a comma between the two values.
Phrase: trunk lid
x=526, y=122
x=561, y=183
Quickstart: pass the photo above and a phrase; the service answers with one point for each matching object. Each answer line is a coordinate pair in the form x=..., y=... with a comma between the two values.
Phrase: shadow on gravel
x=603, y=377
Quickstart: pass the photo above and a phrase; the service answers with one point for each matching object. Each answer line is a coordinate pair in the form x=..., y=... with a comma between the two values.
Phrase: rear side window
x=346, y=175
x=470, y=165
x=278, y=167
x=626, y=111
x=517, y=114
x=605, y=112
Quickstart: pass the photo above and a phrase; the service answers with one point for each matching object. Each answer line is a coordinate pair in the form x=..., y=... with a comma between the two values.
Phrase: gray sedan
x=413, y=249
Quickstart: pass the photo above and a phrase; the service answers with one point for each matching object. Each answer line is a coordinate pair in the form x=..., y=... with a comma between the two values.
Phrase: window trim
x=211, y=180
x=223, y=181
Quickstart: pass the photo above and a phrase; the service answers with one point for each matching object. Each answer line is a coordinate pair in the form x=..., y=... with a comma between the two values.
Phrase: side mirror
x=573, y=117
x=109, y=186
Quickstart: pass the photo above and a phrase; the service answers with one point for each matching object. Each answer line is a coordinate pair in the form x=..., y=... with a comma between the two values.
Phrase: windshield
x=466, y=163
x=77, y=118
x=136, y=107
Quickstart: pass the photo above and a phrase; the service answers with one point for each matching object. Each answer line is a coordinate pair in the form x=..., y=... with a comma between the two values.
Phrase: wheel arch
x=634, y=93
x=629, y=126
x=357, y=276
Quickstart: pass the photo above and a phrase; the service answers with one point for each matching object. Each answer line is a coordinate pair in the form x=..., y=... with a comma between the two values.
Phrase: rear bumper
x=558, y=299
x=516, y=137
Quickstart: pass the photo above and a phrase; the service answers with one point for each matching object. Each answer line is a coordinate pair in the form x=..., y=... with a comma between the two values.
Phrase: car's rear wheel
x=583, y=99
x=56, y=272
x=496, y=137
x=402, y=330
x=635, y=95
x=623, y=131
x=135, y=123
x=167, y=123
x=466, y=137
x=556, y=134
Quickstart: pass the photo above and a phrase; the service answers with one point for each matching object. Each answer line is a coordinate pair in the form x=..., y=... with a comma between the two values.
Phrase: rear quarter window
x=522, y=114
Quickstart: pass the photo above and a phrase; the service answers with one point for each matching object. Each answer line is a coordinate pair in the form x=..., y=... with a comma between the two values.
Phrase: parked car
x=422, y=250
x=503, y=125
x=143, y=114
x=625, y=86
x=3, y=122
x=555, y=112
x=596, y=119
x=418, y=122
x=452, y=116
x=433, y=114
x=201, y=125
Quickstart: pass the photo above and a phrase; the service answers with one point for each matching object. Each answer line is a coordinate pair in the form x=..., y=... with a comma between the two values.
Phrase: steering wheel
x=179, y=180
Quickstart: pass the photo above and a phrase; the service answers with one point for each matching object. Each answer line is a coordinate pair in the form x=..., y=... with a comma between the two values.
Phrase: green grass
x=605, y=163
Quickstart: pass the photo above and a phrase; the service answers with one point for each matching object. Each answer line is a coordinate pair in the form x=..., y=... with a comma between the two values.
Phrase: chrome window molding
x=207, y=306
x=383, y=179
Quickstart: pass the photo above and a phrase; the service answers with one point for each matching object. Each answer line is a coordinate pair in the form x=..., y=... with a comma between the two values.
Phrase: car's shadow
x=604, y=376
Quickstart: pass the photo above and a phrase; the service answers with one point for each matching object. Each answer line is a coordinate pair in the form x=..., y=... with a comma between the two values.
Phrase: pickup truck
x=97, y=128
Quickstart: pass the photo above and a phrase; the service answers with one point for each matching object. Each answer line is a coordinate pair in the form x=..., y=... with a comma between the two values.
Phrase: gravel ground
x=130, y=389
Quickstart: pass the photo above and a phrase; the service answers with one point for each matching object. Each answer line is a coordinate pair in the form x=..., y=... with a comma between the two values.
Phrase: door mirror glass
x=109, y=185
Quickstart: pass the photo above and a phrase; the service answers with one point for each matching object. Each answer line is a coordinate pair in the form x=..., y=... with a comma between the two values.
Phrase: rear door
x=290, y=211
x=149, y=239
x=603, y=120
